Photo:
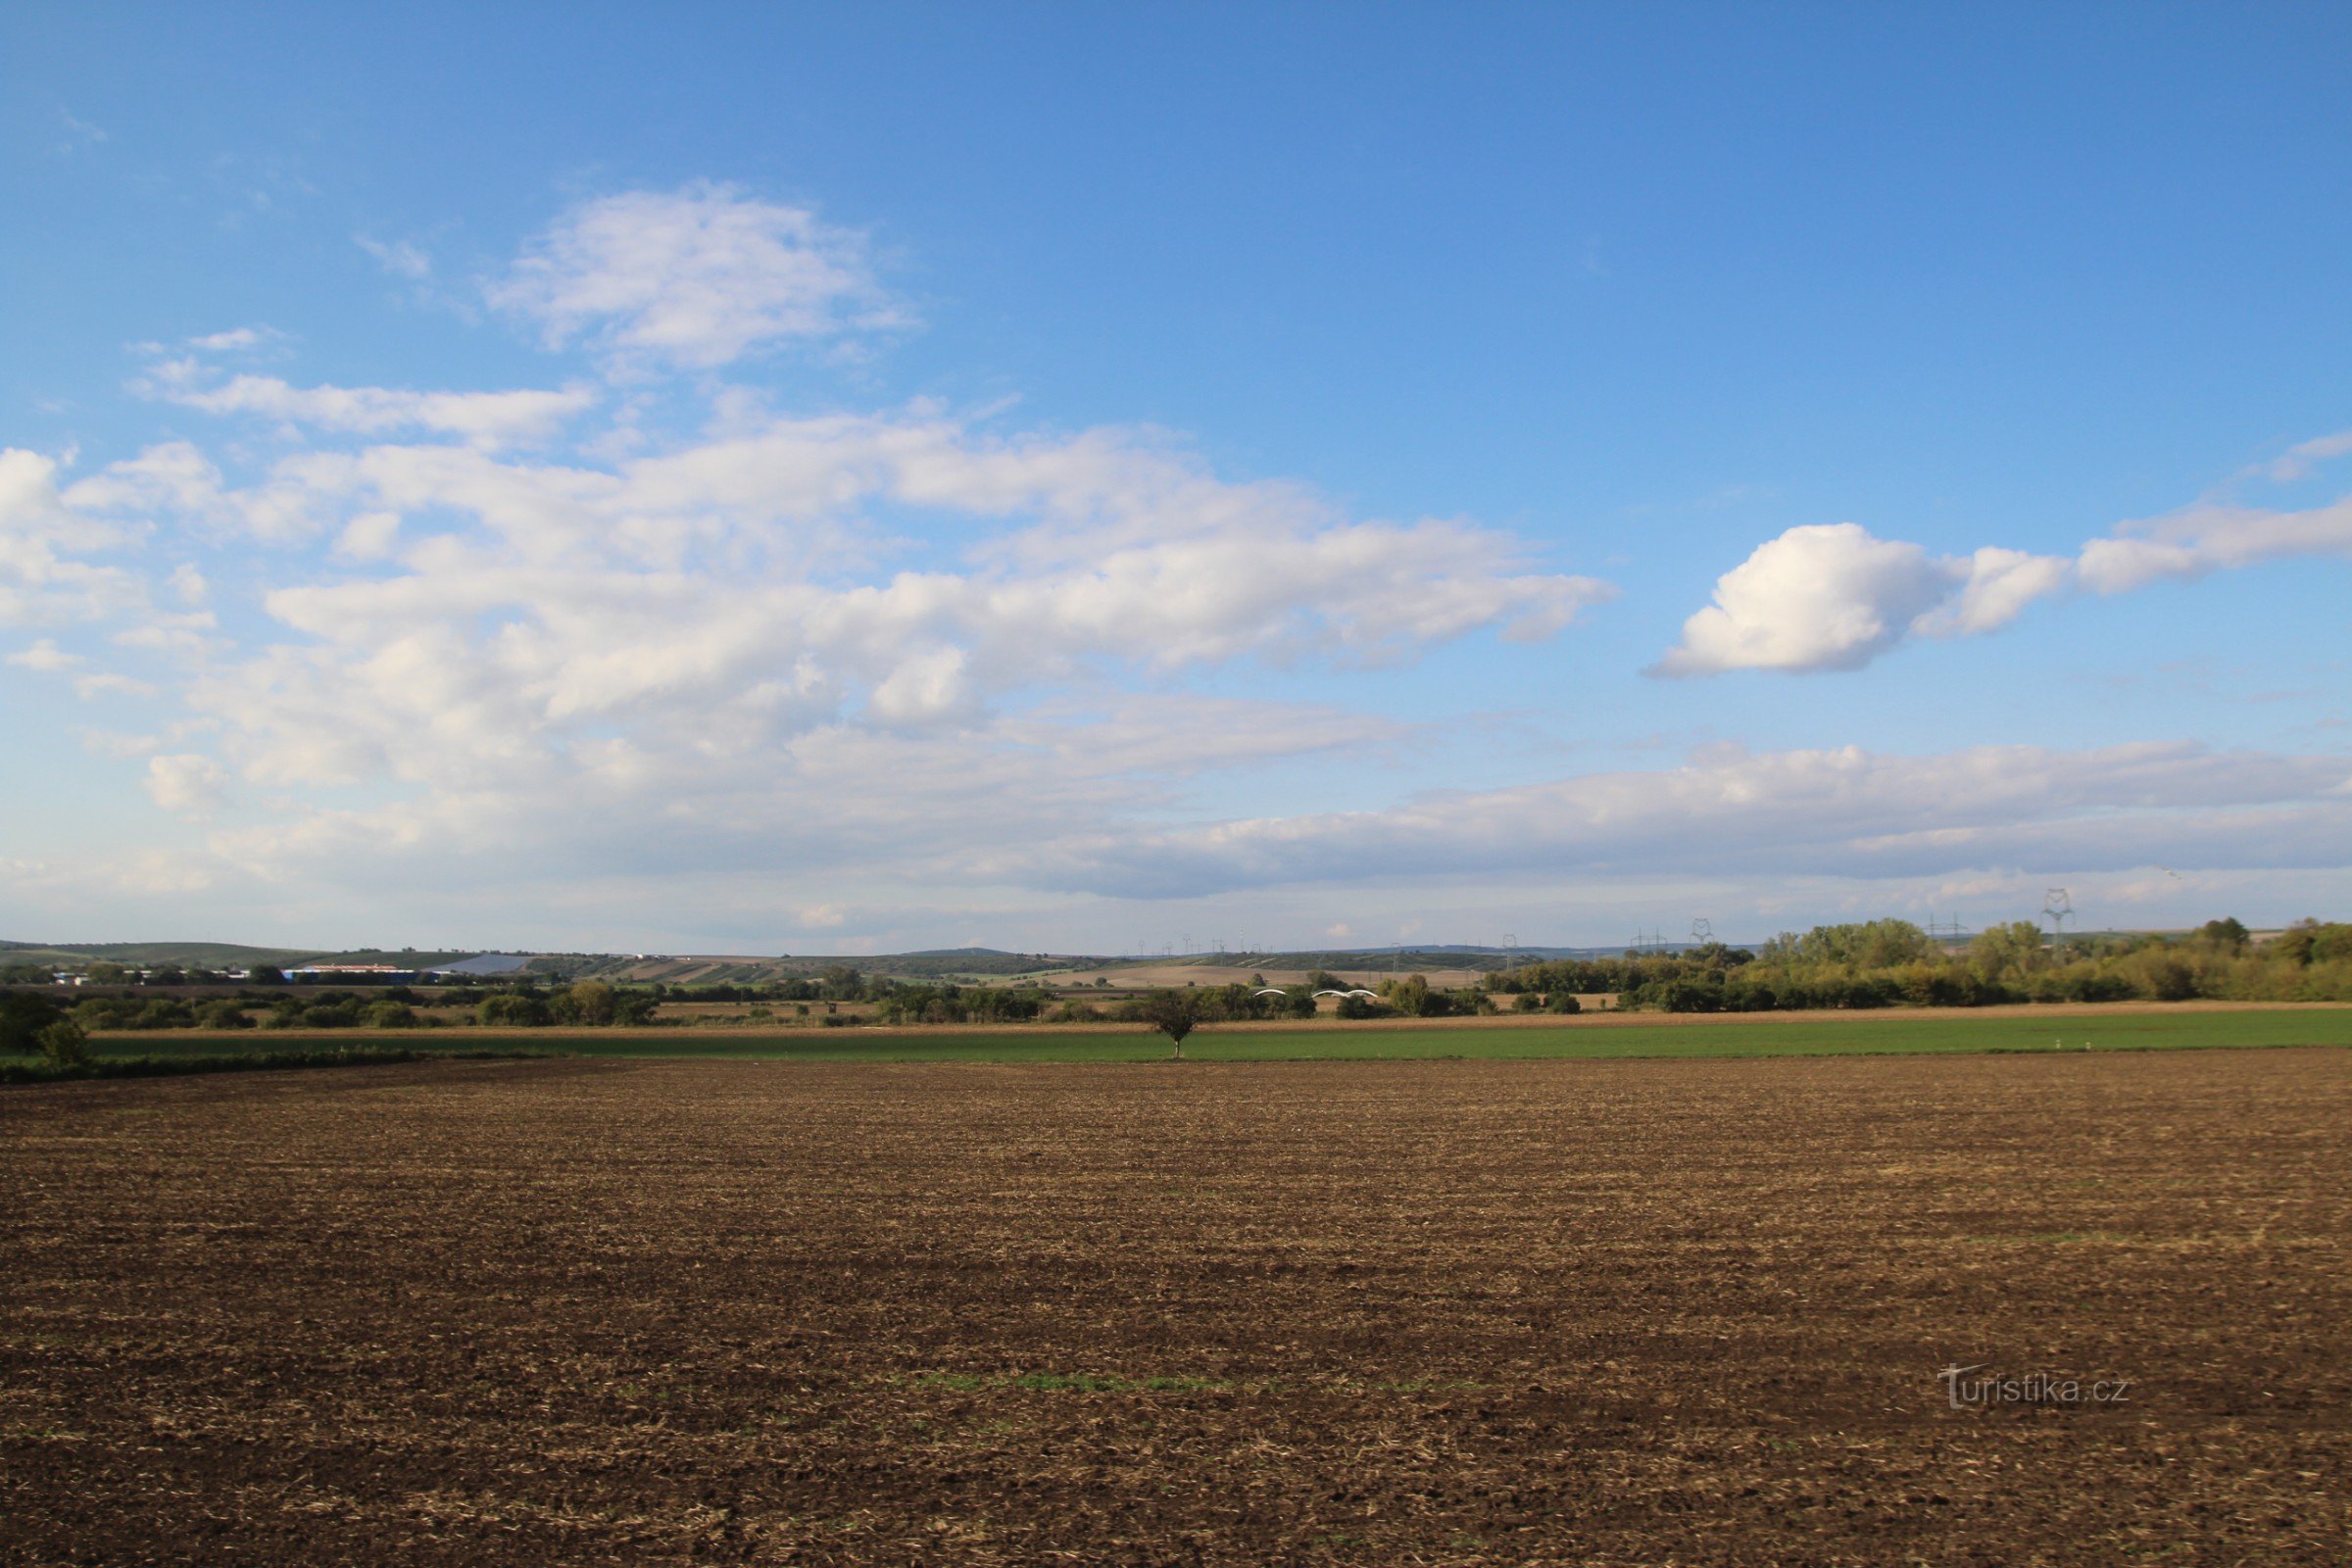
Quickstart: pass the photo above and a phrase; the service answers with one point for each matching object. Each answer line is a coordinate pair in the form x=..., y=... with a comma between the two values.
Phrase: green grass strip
x=165, y=1064
x=1874, y=1034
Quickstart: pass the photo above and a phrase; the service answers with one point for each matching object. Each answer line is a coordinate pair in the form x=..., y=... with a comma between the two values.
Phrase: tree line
x=1894, y=964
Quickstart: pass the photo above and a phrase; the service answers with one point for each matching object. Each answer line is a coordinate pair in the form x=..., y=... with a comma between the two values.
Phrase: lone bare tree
x=1173, y=1013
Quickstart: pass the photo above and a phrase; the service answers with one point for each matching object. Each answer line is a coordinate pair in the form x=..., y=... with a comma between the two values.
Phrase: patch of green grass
x=1892, y=1033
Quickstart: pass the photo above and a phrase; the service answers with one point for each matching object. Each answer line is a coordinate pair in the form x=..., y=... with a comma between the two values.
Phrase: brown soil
x=1630, y=1312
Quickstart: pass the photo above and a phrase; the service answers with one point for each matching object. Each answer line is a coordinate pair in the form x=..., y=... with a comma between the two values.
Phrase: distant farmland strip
x=1752, y=1035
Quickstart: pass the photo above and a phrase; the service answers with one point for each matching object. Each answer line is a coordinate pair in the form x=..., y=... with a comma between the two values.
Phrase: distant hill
x=195, y=955
x=490, y=963
x=743, y=970
x=214, y=954
x=736, y=970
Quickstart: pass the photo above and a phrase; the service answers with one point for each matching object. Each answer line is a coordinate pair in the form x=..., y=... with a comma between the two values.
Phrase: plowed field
x=1434, y=1312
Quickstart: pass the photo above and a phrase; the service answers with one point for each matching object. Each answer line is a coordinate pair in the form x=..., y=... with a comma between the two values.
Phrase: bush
x=23, y=1018
x=64, y=1044
x=391, y=1016
x=513, y=1008
x=589, y=1003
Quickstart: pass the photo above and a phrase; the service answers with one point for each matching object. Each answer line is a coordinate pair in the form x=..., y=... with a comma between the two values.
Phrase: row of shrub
x=588, y=1005
x=328, y=1010
x=1894, y=964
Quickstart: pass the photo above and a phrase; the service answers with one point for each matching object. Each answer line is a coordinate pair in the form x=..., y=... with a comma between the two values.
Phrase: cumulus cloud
x=512, y=603
x=698, y=277
x=818, y=636
x=43, y=577
x=176, y=483
x=1831, y=595
x=1994, y=587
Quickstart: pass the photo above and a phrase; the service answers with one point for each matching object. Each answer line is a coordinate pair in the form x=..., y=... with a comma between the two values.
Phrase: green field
x=1884, y=1034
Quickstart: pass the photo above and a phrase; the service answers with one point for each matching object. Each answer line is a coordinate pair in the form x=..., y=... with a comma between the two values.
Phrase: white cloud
x=716, y=642
x=174, y=481
x=928, y=685
x=106, y=683
x=47, y=657
x=188, y=784
x=400, y=257
x=369, y=536
x=901, y=660
x=2300, y=461
x=2212, y=538
x=1831, y=595
x=1847, y=812
x=235, y=339
x=485, y=418
x=78, y=133
x=41, y=579
x=1995, y=586
x=716, y=575
x=695, y=277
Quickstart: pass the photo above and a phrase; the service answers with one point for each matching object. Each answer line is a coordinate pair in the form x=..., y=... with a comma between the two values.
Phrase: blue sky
x=1056, y=475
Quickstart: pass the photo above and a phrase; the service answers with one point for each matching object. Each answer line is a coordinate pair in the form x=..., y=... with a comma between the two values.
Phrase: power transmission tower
x=2057, y=908
x=1702, y=932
